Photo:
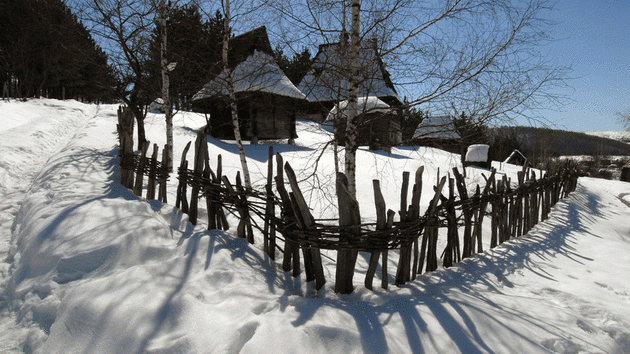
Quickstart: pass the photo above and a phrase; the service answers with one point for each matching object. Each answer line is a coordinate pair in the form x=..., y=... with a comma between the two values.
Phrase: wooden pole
x=152, y=174
x=349, y=217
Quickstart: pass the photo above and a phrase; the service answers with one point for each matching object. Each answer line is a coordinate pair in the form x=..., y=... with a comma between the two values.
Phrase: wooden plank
x=200, y=153
x=403, y=196
x=243, y=206
x=270, y=251
x=381, y=223
x=467, y=213
x=153, y=171
x=181, y=186
x=349, y=216
x=139, y=182
x=384, y=277
x=309, y=222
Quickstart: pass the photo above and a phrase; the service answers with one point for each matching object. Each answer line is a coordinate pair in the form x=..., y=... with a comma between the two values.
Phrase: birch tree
x=231, y=94
x=165, y=67
x=123, y=26
x=485, y=57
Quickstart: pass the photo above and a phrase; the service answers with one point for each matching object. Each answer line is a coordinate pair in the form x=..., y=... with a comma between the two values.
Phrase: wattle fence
x=281, y=214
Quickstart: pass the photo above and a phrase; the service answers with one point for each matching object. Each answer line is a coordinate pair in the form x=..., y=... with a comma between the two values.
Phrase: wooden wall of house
x=272, y=118
x=375, y=130
x=262, y=116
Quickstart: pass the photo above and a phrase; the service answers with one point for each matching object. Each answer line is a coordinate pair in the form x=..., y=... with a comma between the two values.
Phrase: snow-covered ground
x=90, y=268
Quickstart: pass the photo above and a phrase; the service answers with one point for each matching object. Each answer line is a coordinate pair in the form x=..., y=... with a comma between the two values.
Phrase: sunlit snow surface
x=90, y=268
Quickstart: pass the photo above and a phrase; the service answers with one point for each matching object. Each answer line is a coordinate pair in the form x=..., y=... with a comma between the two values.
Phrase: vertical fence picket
x=163, y=177
x=138, y=183
x=349, y=217
x=269, y=236
x=381, y=223
x=152, y=173
x=181, y=200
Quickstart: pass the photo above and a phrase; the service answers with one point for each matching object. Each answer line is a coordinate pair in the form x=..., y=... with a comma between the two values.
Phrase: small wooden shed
x=439, y=132
x=326, y=85
x=378, y=123
x=266, y=99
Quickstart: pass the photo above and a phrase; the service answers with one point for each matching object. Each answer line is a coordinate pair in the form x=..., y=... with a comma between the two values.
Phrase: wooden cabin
x=266, y=99
x=379, y=126
x=438, y=132
x=326, y=85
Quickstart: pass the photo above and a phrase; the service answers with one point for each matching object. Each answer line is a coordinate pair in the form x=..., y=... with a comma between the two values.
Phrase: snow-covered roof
x=515, y=154
x=365, y=105
x=440, y=127
x=477, y=153
x=258, y=73
x=326, y=80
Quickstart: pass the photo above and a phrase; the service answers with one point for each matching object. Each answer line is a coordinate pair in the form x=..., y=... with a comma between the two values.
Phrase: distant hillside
x=623, y=136
x=551, y=143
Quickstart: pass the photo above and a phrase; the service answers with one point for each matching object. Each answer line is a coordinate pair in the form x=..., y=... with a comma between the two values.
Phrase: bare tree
x=232, y=94
x=123, y=26
x=165, y=67
x=484, y=57
x=624, y=118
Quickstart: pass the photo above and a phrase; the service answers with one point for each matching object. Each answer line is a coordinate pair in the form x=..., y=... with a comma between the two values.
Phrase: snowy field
x=90, y=268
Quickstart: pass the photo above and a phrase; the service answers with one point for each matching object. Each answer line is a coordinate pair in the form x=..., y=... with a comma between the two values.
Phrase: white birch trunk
x=232, y=95
x=168, y=107
x=351, y=125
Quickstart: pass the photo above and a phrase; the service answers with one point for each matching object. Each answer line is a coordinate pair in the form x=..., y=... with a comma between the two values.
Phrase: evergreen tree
x=294, y=68
x=194, y=49
x=46, y=51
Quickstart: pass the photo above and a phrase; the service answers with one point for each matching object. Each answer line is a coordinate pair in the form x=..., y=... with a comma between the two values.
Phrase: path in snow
x=29, y=139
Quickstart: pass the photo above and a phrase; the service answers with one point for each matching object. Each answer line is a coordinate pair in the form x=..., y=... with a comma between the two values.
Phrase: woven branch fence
x=282, y=214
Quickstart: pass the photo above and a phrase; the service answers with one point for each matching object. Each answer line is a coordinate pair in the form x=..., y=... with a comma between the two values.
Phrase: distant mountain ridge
x=555, y=142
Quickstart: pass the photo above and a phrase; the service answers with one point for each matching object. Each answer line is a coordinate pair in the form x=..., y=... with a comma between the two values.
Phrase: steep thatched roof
x=366, y=105
x=257, y=73
x=440, y=127
x=253, y=69
x=244, y=45
x=327, y=81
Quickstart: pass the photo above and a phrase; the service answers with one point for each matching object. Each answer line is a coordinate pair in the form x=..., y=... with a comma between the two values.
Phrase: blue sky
x=594, y=38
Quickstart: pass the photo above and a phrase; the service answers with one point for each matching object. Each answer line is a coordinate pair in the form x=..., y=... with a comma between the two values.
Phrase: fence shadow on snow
x=281, y=214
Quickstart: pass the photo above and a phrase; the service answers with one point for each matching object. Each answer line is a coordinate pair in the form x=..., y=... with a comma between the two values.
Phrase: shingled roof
x=253, y=67
x=326, y=80
x=440, y=127
x=257, y=73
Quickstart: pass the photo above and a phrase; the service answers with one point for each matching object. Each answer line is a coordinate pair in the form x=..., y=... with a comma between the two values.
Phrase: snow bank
x=98, y=270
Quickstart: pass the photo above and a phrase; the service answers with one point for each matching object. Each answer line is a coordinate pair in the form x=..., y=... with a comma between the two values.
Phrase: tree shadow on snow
x=425, y=303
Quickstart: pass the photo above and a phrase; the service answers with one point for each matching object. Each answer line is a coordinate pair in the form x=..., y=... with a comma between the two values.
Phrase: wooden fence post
x=152, y=173
x=312, y=255
x=243, y=207
x=269, y=236
x=382, y=223
x=201, y=150
x=452, y=251
x=349, y=219
x=142, y=162
x=181, y=200
x=414, y=214
x=429, y=241
x=163, y=173
x=291, y=260
x=467, y=212
x=125, y=134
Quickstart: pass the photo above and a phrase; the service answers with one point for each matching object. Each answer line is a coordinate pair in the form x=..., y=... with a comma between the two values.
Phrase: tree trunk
x=232, y=95
x=168, y=109
x=351, y=126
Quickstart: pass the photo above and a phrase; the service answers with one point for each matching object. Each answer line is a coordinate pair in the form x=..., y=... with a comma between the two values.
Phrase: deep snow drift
x=90, y=268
